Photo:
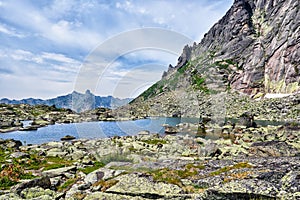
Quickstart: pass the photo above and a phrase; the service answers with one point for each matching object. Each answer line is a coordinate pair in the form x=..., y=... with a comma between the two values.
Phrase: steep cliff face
x=262, y=37
x=254, y=49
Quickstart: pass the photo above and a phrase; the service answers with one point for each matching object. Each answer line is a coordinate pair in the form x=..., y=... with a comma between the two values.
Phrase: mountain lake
x=93, y=130
x=104, y=129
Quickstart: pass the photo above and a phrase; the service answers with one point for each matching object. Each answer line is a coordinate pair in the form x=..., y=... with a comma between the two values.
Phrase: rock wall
x=262, y=38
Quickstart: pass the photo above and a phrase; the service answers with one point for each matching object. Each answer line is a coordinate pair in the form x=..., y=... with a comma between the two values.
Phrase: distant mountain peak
x=76, y=101
x=88, y=91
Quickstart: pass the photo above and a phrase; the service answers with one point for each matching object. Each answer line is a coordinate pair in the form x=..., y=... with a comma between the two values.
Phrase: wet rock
x=67, y=137
x=30, y=128
x=145, y=132
x=170, y=129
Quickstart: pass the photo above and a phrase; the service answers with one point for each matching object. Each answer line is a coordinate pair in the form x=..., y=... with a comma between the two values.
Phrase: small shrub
x=6, y=182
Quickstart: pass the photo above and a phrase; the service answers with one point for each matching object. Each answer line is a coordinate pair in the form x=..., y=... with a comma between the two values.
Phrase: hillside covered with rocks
x=253, y=50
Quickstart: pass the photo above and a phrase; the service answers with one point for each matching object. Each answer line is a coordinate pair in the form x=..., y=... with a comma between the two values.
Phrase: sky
x=47, y=47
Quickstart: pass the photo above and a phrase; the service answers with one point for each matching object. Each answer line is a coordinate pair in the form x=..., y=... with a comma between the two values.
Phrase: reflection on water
x=92, y=130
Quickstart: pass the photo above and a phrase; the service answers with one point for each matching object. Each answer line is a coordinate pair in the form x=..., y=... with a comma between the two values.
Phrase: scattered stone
x=272, y=148
x=243, y=189
x=145, y=132
x=291, y=182
x=19, y=155
x=101, y=174
x=67, y=137
x=170, y=129
x=59, y=172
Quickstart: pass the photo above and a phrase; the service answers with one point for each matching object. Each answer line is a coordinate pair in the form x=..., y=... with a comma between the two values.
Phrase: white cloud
x=48, y=40
x=128, y=83
x=10, y=31
x=60, y=58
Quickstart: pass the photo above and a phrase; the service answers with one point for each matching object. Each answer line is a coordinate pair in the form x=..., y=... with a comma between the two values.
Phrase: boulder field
x=253, y=163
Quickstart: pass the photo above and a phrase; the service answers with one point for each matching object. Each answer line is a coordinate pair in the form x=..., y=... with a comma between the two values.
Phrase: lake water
x=91, y=130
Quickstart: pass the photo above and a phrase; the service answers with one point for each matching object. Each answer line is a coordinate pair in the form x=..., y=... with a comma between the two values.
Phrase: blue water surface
x=91, y=130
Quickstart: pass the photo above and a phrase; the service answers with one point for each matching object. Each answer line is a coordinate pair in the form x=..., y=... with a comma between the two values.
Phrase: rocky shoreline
x=256, y=163
x=235, y=160
x=278, y=109
x=11, y=116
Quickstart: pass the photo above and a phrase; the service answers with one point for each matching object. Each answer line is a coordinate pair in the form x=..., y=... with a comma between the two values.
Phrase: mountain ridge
x=253, y=50
x=261, y=38
x=75, y=101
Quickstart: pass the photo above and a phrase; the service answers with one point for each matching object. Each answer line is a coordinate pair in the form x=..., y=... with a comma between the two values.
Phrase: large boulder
x=139, y=185
x=247, y=119
x=243, y=189
x=43, y=182
x=101, y=174
x=59, y=172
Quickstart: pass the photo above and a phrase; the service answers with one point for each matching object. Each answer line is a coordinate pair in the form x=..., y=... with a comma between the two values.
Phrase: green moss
x=132, y=149
x=155, y=141
x=3, y=155
x=184, y=68
x=190, y=166
x=27, y=176
x=174, y=176
x=6, y=182
x=67, y=184
x=95, y=166
x=54, y=166
x=198, y=83
x=37, y=162
x=228, y=168
x=150, y=91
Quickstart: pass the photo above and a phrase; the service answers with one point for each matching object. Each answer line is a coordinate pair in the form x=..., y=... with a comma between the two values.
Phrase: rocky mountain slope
x=257, y=44
x=75, y=101
x=254, y=50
